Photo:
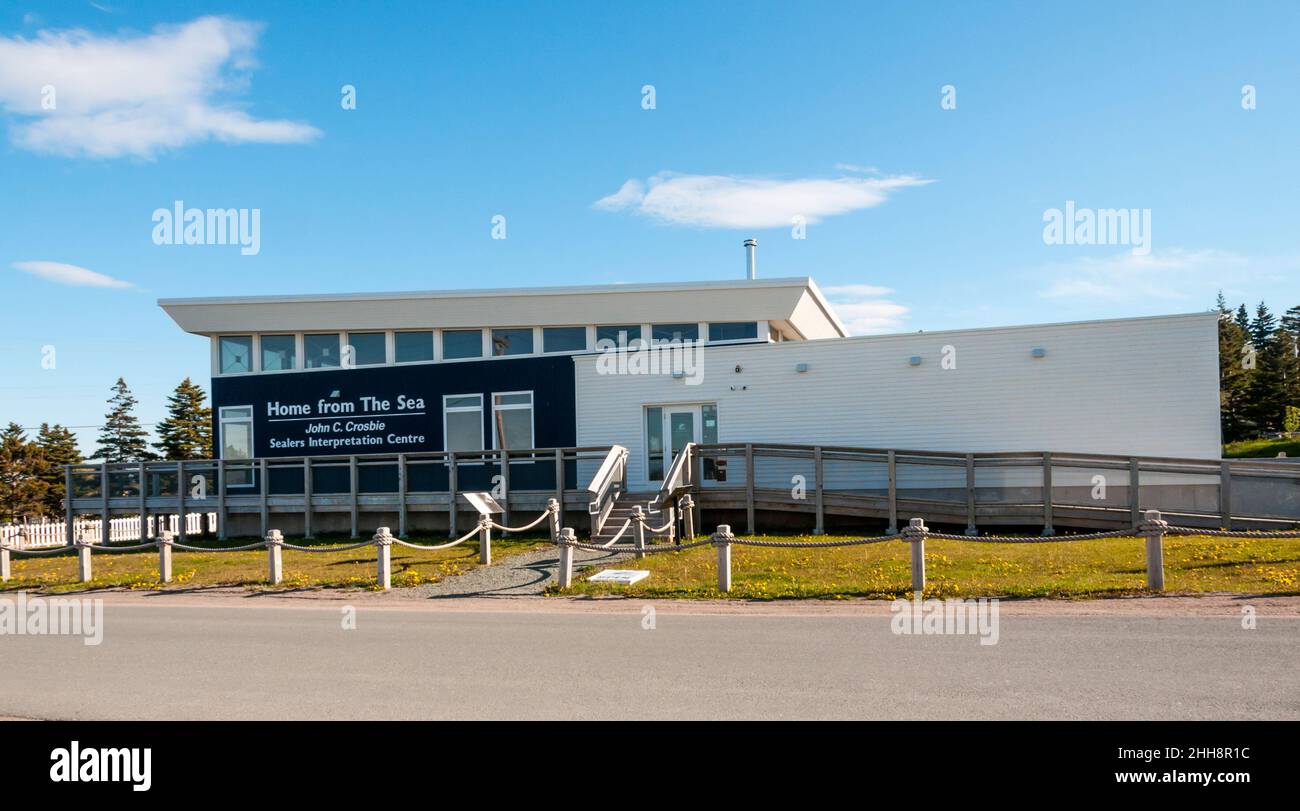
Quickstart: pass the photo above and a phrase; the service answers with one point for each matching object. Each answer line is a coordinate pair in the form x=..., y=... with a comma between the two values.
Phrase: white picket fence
x=53, y=533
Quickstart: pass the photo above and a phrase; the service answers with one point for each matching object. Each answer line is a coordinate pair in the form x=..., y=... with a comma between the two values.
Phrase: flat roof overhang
x=796, y=301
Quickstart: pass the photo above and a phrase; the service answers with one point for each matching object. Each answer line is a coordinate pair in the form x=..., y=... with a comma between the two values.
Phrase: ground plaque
x=623, y=577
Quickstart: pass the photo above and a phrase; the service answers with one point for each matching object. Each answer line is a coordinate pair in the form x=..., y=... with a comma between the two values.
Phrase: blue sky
x=919, y=217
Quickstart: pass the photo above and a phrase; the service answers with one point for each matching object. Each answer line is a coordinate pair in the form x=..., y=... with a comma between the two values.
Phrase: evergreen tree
x=1266, y=392
x=58, y=448
x=1234, y=381
x=1263, y=327
x=1291, y=321
x=187, y=431
x=21, y=489
x=1243, y=318
x=121, y=439
x=1221, y=304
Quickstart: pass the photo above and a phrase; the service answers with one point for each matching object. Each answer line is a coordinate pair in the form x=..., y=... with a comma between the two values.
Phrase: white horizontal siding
x=1135, y=386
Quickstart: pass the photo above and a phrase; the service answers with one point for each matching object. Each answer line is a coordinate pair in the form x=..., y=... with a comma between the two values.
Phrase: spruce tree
x=58, y=448
x=1243, y=318
x=187, y=431
x=1221, y=304
x=122, y=439
x=1263, y=327
x=1234, y=381
x=21, y=489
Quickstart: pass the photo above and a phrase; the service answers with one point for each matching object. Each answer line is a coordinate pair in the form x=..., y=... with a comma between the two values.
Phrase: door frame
x=668, y=409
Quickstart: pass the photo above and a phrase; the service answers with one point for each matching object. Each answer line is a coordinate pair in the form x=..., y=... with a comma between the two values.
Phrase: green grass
x=1256, y=448
x=1070, y=570
x=327, y=569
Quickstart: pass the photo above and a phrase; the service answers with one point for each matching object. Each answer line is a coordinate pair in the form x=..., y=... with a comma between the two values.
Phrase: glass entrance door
x=669, y=428
x=683, y=427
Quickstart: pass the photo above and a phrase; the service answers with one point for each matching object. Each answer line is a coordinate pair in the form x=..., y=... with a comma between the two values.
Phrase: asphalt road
x=273, y=662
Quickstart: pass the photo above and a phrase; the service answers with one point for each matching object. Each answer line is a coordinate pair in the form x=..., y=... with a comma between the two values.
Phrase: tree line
x=1259, y=371
x=31, y=469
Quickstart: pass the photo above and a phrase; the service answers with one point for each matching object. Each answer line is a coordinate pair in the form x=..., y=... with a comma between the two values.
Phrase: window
x=237, y=443
x=279, y=353
x=564, y=339
x=512, y=341
x=412, y=347
x=320, y=351
x=663, y=333
x=512, y=420
x=236, y=353
x=616, y=336
x=733, y=331
x=654, y=443
x=462, y=422
x=368, y=348
x=462, y=343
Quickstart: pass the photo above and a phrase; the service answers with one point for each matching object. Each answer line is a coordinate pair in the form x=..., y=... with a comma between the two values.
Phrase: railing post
x=915, y=534
x=307, y=487
x=688, y=514
x=274, y=562
x=452, y=488
x=353, y=485
x=384, y=546
x=401, y=496
x=821, y=503
x=68, y=515
x=485, y=539
x=722, y=542
x=564, y=575
x=83, y=560
x=105, y=519
x=1134, y=491
x=264, y=508
x=144, y=503
x=164, y=557
x=5, y=573
x=971, y=529
x=221, y=499
x=892, y=466
x=180, y=500
x=1225, y=494
x=553, y=507
x=749, y=486
x=505, y=487
x=559, y=487
x=638, y=518
x=1153, y=529
x=1048, y=529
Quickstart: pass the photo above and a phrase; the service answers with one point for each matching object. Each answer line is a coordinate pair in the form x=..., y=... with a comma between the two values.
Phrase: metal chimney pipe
x=751, y=245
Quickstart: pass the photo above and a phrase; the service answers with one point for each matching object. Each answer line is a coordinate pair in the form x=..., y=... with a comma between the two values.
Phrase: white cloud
x=71, y=275
x=862, y=310
x=135, y=94
x=857, y=168
x=721, y=201
x=1175, y=274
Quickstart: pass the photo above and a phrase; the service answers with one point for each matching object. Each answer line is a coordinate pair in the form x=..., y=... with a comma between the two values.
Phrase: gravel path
x=516, y=576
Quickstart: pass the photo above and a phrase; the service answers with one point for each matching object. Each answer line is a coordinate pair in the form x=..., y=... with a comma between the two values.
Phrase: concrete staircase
x=622, y=511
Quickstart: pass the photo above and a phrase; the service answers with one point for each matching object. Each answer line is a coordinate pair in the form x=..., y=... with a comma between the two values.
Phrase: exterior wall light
x=1038, y=352
x=801, y=367
x=915, y=360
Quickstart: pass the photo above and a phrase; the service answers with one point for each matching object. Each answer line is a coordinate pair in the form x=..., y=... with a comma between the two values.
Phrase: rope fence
x=1152, y=529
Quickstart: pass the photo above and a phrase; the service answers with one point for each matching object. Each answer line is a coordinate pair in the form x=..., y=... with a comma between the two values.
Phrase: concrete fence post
x=638, y=519
x=722, y=541
x=565, y=574
x=914, y=534
x=485, y=540
x=274, y=561
x=165, y=541
x=384, y=547
x=83, y=559
x=1153, y=529
x=553, y=507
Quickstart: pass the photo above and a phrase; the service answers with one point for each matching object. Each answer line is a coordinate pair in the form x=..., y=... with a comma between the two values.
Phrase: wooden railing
x=395, y=483
x=606, y=485
x=994, y=489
